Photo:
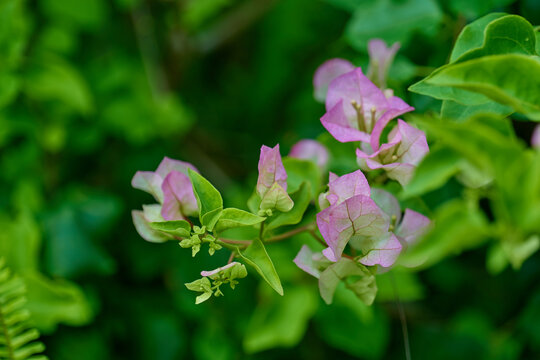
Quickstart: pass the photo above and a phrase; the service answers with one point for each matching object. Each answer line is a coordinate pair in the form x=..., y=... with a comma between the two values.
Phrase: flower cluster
x=352, y=214
x=363, y=229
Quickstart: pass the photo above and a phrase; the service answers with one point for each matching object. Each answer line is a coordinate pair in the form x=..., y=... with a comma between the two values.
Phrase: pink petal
x=356, y=216
x=336, y=122
x=178, y=198
x=355, y=86
x=383, y=251
x=413, y=226
x=271, y=170
x=149, y=182
x=347, y=186
x=381, y=58
x=327, y=72
x=535, y=140
x=396, y=107
x=310, y=150
x=304, y=260
x=387, y=202
x=167, y=165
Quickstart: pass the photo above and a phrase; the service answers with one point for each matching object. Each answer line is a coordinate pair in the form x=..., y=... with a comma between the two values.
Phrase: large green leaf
x=458, y=226
x=511, y=80
x=451, y=110
x=256, y=256
x=208, y=199
x=495, y=34
x=280, y=321
x=392, y=21
x=301, y=199
x=233, y=218
x=439, y=165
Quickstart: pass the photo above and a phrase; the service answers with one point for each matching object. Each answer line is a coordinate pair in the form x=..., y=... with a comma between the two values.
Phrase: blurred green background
x=93, y=90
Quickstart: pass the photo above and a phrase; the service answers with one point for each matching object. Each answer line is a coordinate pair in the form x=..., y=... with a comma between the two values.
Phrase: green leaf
x=493, y=34
x=451, y=110
x=300, y=171
x=458, y=226
x=392, y=21
x=510, y=80
x=439, y=165
x=349, y=318
x=399, y=282
x=301, y=199
x=232, y=218
x=256, y=256
x=280, y=321
x=208, y=199
x=179, y=228
x=55, y=80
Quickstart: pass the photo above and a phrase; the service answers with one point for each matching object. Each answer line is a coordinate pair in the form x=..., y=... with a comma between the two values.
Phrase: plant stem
x=231, y=257
x=288, y=234
x=402, y=319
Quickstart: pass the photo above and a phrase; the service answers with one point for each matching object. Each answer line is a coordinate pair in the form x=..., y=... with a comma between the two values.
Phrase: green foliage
x=179, y=228
x=280, y=321
x=392, y=21
x=209, y=200
x=17, y=337
x=257, y=257
x=232, y=218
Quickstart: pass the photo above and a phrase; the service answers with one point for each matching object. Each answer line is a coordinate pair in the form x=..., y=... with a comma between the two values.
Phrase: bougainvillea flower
x=409, y=227
x=351, y=214
x=344, y=187
x=535, y=140
x=407, y=146
x=403, y=231
x=171, y=187
x=142, y=220
x=311, y=150
x=271, y=170
x=380, y=59
x=355, y=106
x=327, y=72
x=272, y=181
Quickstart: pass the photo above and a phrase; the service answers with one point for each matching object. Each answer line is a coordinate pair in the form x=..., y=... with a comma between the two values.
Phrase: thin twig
x=231, y=257
x=402, y=318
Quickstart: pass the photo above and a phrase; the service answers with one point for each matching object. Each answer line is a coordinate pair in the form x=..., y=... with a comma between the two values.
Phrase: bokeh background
x=93, y=90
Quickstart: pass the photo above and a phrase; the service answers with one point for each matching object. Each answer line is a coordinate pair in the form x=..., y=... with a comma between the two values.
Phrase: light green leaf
x=458, y=226
x=179, y=228
x=208, y=199
x=439, y=165
x=392, y=21
x=510, y=80
x=493, y=34
x=301, y=199
x=451, y=110
x=256, y=256
x=280, y=321
x=232, y=218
